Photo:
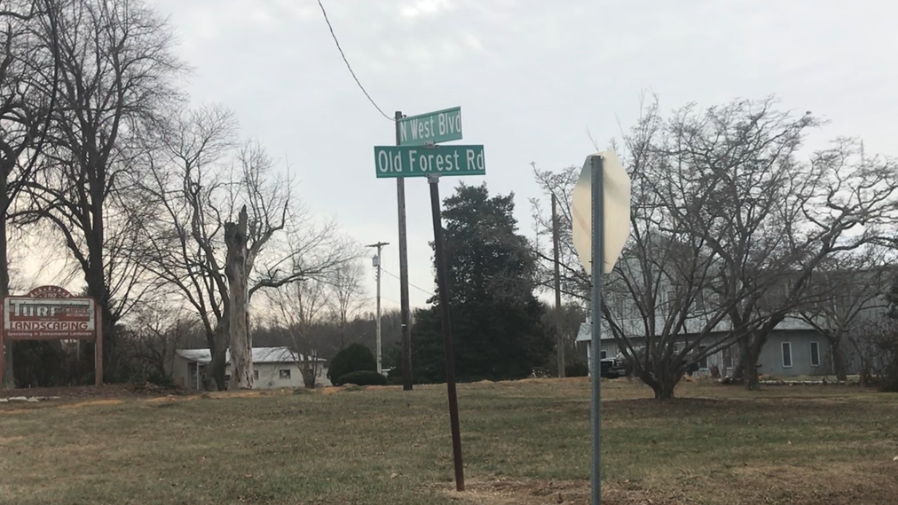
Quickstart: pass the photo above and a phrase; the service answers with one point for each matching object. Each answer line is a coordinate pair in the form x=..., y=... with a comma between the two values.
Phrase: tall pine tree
x=497, y=325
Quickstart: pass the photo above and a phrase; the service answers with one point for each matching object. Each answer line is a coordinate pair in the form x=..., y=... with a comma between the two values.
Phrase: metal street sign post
x=422, y=161
x=417, y=155
x=431, y=128
x=601, y=211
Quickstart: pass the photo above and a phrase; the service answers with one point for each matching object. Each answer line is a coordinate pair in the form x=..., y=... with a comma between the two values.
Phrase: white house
x=794, y=348
x=274, y=367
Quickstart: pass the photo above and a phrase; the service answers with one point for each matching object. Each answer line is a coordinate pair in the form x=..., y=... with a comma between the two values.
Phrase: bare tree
x=159, y=330
x=346, y=290
x=297, y=308
x=844, y=292
x=767, y=216
x=212, y=197
x=25, y=104
x=115, y=67
x=183, y=184
x=575, y=282
x=876, y=347
x=727, y=229
x=658, y=302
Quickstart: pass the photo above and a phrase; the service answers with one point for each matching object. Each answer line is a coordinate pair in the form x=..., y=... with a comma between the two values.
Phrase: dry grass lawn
x=525, y=442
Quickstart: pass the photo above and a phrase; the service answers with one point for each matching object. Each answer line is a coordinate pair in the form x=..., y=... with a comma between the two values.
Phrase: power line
x=410, y=284
x=337, y=42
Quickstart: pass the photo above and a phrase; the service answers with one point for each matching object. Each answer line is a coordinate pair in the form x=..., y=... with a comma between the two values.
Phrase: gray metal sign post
x=598, y=248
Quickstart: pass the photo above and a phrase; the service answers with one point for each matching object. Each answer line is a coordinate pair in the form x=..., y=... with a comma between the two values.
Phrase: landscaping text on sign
x=27, y=318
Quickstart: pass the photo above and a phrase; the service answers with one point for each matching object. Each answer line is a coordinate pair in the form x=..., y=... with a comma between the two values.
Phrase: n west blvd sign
x=433, y=127
x=403, y=161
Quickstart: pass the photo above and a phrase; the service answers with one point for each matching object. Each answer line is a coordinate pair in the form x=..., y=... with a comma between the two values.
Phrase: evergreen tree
x=497, y=322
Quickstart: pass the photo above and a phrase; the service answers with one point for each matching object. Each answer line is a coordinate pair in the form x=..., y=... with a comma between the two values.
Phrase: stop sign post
x=601, y=222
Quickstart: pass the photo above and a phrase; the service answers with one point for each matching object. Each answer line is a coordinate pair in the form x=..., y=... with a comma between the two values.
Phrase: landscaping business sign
x=52, y=313
x=27, y=318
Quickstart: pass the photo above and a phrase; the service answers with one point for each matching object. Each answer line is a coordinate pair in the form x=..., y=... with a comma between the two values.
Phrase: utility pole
x=403, y=276
x=559, y=340
x=376, y=263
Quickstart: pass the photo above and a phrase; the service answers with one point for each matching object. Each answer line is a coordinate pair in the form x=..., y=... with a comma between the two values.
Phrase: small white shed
x=274, y=367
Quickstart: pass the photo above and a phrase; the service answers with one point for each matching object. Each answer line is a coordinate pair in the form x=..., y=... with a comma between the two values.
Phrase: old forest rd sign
x=433, y=127
x=396, y=161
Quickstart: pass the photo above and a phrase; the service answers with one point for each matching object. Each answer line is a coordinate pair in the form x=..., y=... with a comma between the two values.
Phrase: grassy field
x=524, y=442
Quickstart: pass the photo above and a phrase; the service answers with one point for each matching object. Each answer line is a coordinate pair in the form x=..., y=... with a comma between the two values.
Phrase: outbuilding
x=273, y=367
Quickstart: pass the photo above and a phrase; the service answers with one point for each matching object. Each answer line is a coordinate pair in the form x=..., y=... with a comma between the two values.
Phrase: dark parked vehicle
x=614, y=367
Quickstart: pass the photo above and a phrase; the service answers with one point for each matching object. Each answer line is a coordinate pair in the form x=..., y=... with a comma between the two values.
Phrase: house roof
x=260, y=355
x=585, y=332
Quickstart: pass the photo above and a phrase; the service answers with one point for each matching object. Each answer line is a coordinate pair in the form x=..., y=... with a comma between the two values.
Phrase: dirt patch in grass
x=89, y=403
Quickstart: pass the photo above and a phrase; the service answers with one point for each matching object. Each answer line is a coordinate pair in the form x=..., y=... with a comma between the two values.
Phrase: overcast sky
x=531, y=77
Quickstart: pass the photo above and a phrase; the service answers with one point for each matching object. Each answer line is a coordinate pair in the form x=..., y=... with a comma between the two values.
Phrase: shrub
x=354, y=358
x=577, y=369
x=140, y=375
x=362, y=378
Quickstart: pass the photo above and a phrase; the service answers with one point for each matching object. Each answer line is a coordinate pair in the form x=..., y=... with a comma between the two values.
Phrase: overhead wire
x=410, y=284
x=346, y=61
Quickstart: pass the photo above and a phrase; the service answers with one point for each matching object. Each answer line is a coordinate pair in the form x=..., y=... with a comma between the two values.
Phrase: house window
x=285, y=374
x=672, y=296
x=256, y=374
x=699, y=302
x=703, y=363
x=815, y=354
x=603, y=354
x=787, y=355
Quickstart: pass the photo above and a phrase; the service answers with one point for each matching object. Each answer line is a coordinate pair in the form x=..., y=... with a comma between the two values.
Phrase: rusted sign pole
x=442, y=279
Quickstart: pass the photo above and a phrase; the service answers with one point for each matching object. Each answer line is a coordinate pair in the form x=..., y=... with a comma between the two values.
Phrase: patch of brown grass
x=524, y=442
x=88, y=403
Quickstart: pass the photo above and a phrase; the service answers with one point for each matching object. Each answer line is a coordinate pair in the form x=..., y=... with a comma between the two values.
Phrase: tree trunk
x=309, y=370
x=663, y=387
x=9, y=377
x=864, y=373
x=750, y=360
x=240, y=342
x=739, y=372
x=218, y=347
x=838, y=359
x=664, y=391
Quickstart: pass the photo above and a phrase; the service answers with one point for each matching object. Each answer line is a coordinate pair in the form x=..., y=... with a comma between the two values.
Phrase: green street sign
x=434, y=127
x=404, y=161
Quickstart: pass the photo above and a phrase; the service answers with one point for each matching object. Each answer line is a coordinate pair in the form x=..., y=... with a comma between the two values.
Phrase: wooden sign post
x=52, y=313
